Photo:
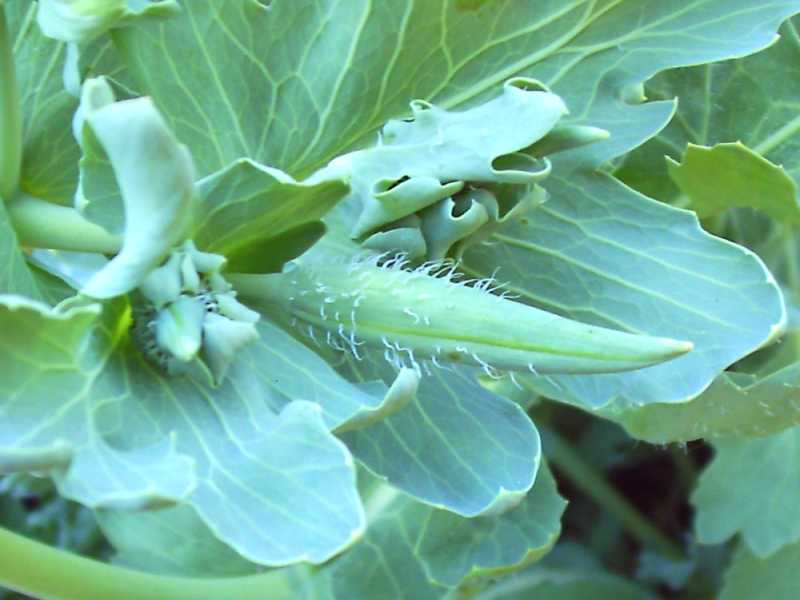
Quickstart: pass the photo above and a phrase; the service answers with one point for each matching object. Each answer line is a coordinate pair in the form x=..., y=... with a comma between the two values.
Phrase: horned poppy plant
x=322, y=299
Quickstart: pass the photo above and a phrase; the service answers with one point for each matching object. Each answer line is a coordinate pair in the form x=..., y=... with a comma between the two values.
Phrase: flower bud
x=78, y=20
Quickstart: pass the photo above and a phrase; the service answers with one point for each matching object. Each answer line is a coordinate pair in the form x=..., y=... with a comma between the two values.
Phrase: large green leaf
x=752, y=100
x=775, y=577
x=454, y=549
x=122, y=435
x=246, y=211
x=736, y=404
x=414, y=551
x=297, y=115
x=730, y=174
x=751, y=488
x=457, y=446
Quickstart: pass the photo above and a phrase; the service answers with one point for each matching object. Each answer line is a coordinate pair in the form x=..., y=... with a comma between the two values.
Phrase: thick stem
x=44, y=572
x=585, y=477
x=43, y=224
x=10, y=115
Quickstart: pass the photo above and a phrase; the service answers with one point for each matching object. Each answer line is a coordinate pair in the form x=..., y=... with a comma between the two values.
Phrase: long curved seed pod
x=415, y=315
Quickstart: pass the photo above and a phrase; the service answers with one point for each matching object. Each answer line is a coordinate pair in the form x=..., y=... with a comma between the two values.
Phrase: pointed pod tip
x=681, y=346
x=664, y=349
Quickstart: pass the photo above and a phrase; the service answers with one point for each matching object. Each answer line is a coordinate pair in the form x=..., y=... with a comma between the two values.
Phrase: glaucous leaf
x=730, y=174
x=246, y=208
x=751, y=488
x=455, y=550
x=457, y=446
x=774, y=577
x=425, y=545
x=123, y=435
x=608, y=256
x=736, y=404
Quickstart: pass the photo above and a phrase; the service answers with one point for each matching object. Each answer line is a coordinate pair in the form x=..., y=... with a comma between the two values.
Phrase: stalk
x=43, y=224
x=44, y=572
x=585, y=477
x=10, y=115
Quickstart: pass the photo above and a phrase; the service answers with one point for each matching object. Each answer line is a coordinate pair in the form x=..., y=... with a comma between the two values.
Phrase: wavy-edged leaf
x=246, y=208
x=296, y=373
x=124, y=435
x=418, y=162
x=46, y=349
x=455, y=550
x=731, y=174
x=457, y=446
x=751, y=488
x=752, y=100
x=424, y=544
x=736, y=404
x=775, y=577
x=569, y=572
x=593, y=55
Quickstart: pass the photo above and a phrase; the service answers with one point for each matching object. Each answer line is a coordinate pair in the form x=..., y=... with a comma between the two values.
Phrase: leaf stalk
x=45, y=572
x=42, y=224
x=10, y=115
x=585, y=477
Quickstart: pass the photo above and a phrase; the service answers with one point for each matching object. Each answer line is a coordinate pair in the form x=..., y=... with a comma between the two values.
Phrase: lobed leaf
x=751, y=488
x=774, y=577
x=735, y=405
x=250, y=213
x=122, y=435
x=731, y=174
x=417, y=541
x=457, y=447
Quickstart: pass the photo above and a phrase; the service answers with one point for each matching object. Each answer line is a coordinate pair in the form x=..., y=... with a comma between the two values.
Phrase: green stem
x=39, y=570
x=585, y=477
x=43, y=224
x=10, y=115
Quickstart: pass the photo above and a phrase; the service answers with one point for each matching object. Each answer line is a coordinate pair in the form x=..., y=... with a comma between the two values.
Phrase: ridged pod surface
x=429, y=314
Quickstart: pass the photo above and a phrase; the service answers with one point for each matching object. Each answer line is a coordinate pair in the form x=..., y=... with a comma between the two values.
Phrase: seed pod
x=416, y=315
